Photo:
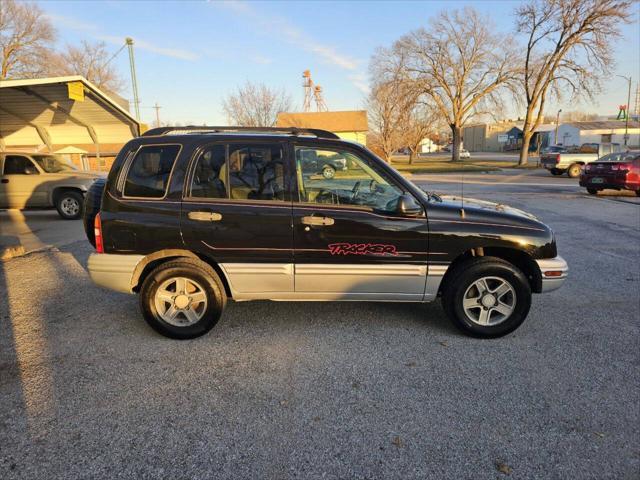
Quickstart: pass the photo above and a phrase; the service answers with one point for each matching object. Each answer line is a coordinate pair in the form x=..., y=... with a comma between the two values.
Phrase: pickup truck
x=571, y=163
x=43, y=180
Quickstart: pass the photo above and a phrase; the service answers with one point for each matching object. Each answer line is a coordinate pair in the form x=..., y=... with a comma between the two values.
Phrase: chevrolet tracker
x=191, y=217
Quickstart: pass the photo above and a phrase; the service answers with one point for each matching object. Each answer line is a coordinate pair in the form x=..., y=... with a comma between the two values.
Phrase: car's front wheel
x=69, y=205
x=182, y=299
x=328, y=172
x=486, y=297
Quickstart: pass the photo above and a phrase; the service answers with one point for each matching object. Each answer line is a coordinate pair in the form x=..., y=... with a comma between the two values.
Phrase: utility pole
x=626, y=112
x=157, y=108
x=557, y=122
x=134, y=82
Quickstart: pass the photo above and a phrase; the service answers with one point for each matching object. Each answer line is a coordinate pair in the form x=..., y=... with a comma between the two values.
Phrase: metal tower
x=317, y=95
x=312, y=92
x=134, y=81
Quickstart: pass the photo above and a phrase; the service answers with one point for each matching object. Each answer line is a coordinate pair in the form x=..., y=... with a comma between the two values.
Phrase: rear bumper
x=608, y=183
x=548, y=265
x=112, y=271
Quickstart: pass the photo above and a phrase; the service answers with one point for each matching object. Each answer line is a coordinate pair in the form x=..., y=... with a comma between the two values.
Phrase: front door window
x=339, y=177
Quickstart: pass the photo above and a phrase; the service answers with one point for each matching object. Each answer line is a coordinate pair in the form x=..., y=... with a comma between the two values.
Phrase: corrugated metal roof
x=604, y=125
x=43, y=106
x=32, y=82
x=346, y=121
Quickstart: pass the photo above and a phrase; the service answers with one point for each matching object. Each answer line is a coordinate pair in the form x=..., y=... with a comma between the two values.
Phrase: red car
x=618, y=171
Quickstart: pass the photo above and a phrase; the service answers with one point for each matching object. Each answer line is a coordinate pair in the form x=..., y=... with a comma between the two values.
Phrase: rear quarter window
x=149, y=171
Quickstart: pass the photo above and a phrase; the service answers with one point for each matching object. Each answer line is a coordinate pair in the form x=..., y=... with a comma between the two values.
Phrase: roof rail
x=191, y=129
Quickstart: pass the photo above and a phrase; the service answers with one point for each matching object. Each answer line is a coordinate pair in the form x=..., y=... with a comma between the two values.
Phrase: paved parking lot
x=333, y=390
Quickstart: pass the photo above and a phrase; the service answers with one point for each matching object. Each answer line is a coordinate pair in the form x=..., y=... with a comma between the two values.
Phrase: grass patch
x=444, y=167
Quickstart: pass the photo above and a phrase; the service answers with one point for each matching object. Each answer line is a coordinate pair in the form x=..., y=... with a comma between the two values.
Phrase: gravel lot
x=336, y=391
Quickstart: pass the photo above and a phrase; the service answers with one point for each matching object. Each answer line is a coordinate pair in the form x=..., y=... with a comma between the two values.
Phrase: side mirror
x=408, y=206
x=30, y=170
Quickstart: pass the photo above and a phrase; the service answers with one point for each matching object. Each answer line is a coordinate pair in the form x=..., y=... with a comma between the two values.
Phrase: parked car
x=325, y=163
x=191, y=220
x=617, y=171
x=43, y=180
x=559, y=163
x=464, y=153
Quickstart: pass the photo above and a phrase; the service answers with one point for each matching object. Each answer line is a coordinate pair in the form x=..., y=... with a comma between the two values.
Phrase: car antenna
x=462, y=194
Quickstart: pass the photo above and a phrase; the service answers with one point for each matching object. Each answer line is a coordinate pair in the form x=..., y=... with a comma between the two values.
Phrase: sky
x=189, y=55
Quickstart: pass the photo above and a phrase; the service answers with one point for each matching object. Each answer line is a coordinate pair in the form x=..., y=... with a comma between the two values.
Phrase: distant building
x=504, y=136
x=66, y=115
x=350, y=125
x=607, y=131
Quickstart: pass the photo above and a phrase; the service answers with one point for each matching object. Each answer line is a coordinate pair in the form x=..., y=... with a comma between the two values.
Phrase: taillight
x=97, y=231
x=588, y=168
x=558, y=158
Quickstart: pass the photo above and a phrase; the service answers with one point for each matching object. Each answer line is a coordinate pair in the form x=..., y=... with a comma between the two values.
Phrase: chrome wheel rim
x=489, y=301
x=327, y=172
x=70, y=206
x=181, y=301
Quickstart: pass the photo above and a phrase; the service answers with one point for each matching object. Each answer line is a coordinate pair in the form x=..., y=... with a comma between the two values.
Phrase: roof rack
x=191, y=129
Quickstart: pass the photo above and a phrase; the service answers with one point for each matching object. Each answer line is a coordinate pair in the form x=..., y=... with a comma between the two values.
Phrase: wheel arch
x=58, y=190
x=518, y=258
x=153, y=260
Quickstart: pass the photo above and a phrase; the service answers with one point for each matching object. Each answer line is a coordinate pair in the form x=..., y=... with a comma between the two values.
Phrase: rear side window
x=256, y=172
x=149, y=171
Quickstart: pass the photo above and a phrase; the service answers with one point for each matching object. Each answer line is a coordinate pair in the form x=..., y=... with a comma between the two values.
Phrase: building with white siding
x=575, y=134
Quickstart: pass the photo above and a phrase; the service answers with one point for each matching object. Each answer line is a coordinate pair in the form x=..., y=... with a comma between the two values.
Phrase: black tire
x=328, y=172
x=92, y=201
x=556, y=171
x=592, y=191
x=637, y=193
x=194, y=270
x=69, y=204
x=574, y=170
x=463, y=277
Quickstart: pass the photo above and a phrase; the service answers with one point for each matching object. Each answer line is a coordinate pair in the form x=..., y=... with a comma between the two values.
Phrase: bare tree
x=577, y=116
x=255, y=105
x=569, y=48
x=26, y=35
x=459, y=64
x=421, y=123
x=91, y=60
x=389, y=104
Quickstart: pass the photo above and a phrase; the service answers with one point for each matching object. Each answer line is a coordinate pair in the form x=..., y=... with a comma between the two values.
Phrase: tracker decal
x=381, y=249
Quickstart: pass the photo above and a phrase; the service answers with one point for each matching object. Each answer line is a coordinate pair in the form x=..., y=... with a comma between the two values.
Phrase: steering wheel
x=324, y=196
x=355, y=190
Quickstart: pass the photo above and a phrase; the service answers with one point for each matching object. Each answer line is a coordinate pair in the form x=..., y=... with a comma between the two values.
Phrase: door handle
x=5, y=180
x=205, y=216
x=318, y=221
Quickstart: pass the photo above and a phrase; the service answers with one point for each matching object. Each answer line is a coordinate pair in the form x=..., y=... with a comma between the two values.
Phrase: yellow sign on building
x=76, y=91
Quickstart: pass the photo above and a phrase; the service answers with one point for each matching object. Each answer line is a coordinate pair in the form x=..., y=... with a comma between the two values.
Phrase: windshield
x=51, y=164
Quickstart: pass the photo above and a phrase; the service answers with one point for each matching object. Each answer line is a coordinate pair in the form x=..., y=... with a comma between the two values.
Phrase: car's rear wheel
x=328, y=172
x=486, y=297
x=574, y=170
x=592, y=191
x=556, y=171
x=637, y=193
x=182, y=299
x=69, y=204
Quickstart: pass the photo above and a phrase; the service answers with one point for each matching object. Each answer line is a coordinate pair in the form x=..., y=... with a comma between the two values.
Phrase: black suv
x=191, y=217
